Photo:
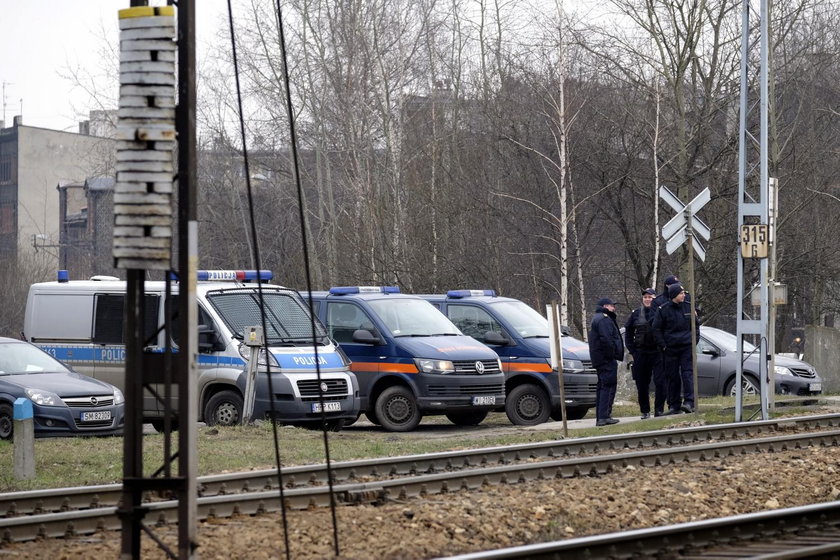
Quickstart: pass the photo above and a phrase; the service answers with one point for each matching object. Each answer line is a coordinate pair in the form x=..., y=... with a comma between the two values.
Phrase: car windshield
x=287, y=317
x=726, y=341
x=20, y=357
x=413, y=317
x=523, y=318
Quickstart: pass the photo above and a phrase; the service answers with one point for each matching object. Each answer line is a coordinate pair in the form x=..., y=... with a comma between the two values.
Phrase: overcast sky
x=42, y=39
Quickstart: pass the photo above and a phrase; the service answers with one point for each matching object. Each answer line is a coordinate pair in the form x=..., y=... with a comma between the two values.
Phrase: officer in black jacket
x=638, y=335
x=605, y=349
x=672, y=331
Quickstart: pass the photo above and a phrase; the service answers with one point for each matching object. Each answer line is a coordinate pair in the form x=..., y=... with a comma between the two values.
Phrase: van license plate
x=815, y=386
x=484, y=400
x=328, y=407
x=96, y=416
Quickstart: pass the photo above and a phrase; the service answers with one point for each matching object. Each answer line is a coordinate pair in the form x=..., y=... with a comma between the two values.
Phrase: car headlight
x=44, y=398
x=245, y=352
x=441, y=367
x=119, y=398
x=781, y=370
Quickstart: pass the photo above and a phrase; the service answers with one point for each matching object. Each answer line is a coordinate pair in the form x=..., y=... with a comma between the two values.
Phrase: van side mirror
x=208, y=340
x=495, y=338
x=565, y=330
x=364, y=336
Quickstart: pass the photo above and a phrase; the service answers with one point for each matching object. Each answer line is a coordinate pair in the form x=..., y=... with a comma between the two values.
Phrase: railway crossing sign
x=685, y=224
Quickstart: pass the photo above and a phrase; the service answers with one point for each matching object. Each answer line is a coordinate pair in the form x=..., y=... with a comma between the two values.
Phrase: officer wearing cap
x=672, y=331
x=606, y=349
x=638, y=335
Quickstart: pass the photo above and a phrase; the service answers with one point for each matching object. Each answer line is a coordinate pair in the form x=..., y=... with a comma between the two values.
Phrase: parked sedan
x=64, y=402
x=717, y=361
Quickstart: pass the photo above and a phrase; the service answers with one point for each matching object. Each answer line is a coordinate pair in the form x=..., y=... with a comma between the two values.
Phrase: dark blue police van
x=519, y=335
x=408, y=358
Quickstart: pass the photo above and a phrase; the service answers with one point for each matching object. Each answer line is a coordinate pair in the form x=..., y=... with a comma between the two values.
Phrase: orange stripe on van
x=398, y=368
x=364, y=366
x=534, y=366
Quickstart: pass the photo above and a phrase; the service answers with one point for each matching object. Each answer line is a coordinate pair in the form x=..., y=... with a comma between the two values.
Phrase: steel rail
x=88, y=521
x=811, y=531
x=14, y=504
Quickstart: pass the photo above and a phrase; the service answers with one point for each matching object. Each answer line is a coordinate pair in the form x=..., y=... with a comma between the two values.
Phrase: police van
x=409, y=359
x=81, y=324
x=519, y=335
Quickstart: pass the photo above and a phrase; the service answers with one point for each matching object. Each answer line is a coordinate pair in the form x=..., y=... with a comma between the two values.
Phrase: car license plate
x=484, y=400
x=815, y=386
x=96, y=416
x=328, y=407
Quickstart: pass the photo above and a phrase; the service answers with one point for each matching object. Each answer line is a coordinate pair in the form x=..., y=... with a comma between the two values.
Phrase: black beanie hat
x=674, y=290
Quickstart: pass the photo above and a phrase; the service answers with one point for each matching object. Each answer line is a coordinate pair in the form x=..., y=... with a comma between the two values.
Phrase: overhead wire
x=306, y=260
x=257, y=265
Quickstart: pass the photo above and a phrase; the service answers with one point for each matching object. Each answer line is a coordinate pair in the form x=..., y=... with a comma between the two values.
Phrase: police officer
x=638, y=335
x=672, y=331
x=605, y=349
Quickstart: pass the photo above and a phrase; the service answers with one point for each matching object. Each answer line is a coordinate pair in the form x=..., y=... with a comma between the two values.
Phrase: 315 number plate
x=484, y=400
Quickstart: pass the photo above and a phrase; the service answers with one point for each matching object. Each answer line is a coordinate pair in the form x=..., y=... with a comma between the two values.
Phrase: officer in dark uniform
x=605, y=350
x=638, y=335
x=672, y=331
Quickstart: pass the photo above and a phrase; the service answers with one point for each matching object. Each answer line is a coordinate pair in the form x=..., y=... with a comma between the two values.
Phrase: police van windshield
x=523, y=318
x=286, y=316
x=413, y=317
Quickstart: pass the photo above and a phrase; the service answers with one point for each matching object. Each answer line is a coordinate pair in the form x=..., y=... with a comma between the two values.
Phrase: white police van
x=81, y=324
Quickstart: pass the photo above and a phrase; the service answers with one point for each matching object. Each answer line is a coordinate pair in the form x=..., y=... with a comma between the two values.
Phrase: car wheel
x=573, y=413
x=749, y=386
x=396, y=409
x=471, y=418
x=527, y=405
x=223, y=409
x=7, y=424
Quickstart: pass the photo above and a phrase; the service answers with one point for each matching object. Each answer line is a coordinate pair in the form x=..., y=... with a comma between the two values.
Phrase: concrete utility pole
x=753, y=202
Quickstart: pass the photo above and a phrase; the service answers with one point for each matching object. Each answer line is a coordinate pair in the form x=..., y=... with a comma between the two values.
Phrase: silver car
x=717, y=361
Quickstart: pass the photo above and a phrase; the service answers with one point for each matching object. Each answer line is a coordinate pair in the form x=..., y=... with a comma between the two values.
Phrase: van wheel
x=158, y=425
x=527, y=405
x=573, y=413
x=471, y=418
x=7, y=425
x=396, y=409
x=223, y=409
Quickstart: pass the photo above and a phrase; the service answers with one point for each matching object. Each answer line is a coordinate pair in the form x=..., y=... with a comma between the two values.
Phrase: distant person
x=672, y=331
x=605, y=349
x=638, y=336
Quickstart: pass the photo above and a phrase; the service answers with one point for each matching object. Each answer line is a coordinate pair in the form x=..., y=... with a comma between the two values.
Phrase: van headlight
x=573, y=366
x=119, y=398
x=245, y=352
x=781, y=370
x=442, y=367
x=43, y=398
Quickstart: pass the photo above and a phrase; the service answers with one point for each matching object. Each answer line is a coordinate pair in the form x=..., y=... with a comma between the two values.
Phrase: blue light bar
x=470, y=293
x=347, y=290
x=233, y=275
x=63, y=276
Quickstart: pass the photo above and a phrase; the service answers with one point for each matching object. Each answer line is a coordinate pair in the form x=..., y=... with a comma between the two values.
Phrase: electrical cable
x=306, y=260
x=258, y=267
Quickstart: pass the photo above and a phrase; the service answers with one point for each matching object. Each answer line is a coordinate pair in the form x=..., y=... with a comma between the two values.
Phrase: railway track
x=75, y=511
x=811, y=531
